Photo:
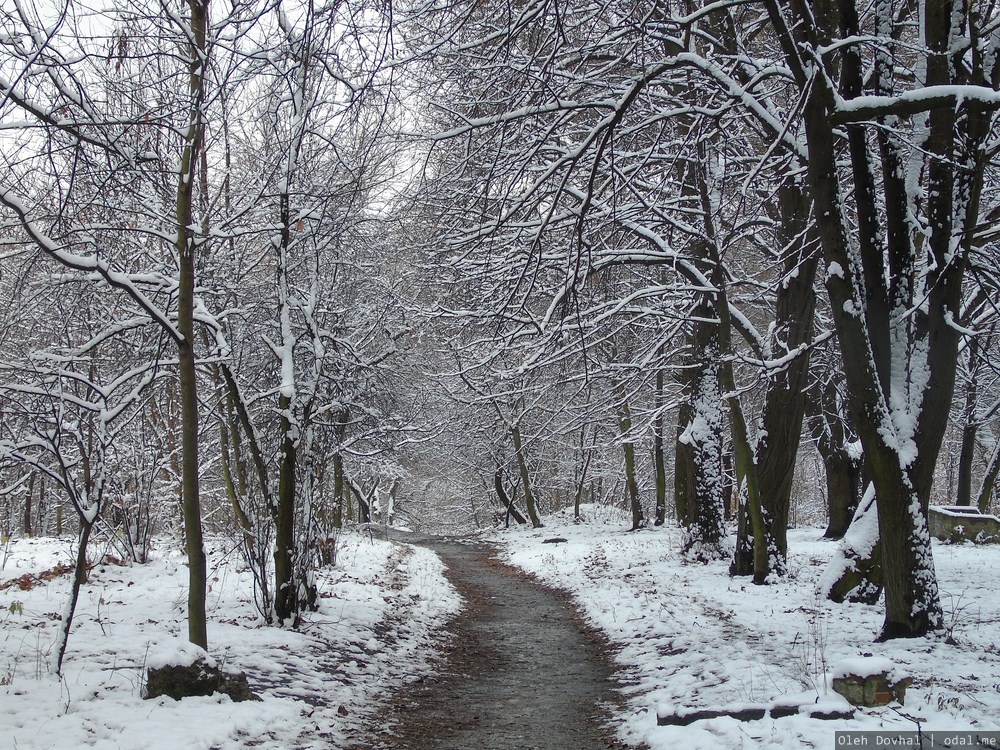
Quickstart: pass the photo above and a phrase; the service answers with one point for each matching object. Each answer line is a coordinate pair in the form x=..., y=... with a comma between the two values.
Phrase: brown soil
x=519, y=670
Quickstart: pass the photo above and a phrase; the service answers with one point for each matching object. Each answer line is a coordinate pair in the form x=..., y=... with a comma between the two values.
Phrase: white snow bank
x=688, y=636
x=376, y=628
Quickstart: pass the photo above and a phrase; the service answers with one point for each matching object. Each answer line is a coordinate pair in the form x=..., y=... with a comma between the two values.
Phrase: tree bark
x=684, y=467
x=26, y=523
x=631, y=483
x=338, y=491
x=785, y=397
x=969, y=428
x=79, y=578
x=522, y=468
x=843, y=479
x=186, y=248
x=585, y=458
x=505, y=500
x=842, y=467
x=701, y=442
x=285, y=585
x=659, y=463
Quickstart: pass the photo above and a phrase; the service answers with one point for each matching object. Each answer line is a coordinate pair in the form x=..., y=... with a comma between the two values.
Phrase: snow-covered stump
x=188, y=671
x=870, y=681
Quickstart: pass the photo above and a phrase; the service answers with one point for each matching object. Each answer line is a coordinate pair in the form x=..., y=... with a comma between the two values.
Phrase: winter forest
x=701, y=296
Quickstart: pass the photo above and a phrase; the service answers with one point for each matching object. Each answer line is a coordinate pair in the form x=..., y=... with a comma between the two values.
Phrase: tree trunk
x=631, y=483
x=522, y=468
x=285, y=585
x=234, y=477
x=743, y=554
x=969, y=429
x=364, y=508
x=79, y=578
x=703, y=435
x=659, y=463
x=842, y=464
x=785, y=397
x=585, y=458
x=843, y=478
x=684, y=467
x=363, y=499
x=338, y=490
x=26, y=525
x=727, y=485
x=506, y=501
x=707, y=255
x=965, y=460
x=186, y=247
x=235, y=496
x=859, y=558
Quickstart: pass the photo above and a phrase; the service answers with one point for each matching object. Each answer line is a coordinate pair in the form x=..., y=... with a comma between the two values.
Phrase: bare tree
x=69, y=403
x=914, y=140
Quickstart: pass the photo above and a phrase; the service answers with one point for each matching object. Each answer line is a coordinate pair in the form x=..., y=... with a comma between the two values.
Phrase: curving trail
x=519, y=671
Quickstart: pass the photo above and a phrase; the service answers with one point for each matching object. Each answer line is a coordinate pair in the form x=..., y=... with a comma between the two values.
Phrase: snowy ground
x=376, y=628
x=689, y=636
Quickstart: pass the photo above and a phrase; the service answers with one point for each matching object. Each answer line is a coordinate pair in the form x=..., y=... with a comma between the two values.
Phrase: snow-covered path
x=520, y=672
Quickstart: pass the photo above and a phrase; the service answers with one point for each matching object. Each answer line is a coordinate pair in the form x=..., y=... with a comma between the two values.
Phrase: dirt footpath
x=519, y=671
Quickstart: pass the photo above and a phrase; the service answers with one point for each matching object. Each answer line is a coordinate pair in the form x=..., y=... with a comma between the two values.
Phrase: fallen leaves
x=29, y=580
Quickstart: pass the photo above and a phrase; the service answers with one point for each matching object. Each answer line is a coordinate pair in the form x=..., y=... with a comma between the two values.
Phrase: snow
x=917, y=100
x=855, y=450
x=864, y=666
x=687, y=636
x=862, y=536
x=180, y=653
x=379, y=621
x=960, y=511
x=858, y=543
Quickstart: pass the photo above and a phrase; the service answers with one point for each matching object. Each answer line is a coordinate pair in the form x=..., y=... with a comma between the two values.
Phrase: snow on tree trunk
x=855, y=572
x=897, y=231
x=704, y=435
